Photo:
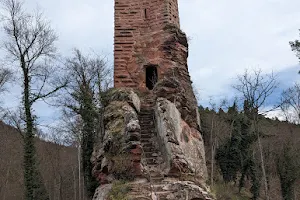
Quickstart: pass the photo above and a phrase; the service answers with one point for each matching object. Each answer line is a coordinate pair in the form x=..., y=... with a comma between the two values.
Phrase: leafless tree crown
x=290, y=103
x=256, y=87
x=30, y=44
x=5, y=76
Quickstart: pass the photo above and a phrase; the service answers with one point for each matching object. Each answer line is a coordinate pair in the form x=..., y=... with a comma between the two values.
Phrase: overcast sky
x=226, y=37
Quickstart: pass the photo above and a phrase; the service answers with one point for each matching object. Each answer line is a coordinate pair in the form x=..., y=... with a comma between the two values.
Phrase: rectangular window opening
x=146, y=13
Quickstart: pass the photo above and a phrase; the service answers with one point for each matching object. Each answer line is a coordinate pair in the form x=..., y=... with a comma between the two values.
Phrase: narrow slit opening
x=145, y=13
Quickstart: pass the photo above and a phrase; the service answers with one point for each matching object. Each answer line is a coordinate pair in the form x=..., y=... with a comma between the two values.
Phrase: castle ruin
x=152, y=141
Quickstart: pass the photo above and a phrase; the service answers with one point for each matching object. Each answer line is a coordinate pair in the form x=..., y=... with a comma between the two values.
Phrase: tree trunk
x=34, y=190
x=79, y=172
x=60, y=187
x=29, y=148
x=6, y=182
x=212, y=165
x=74, y=183
x=262, y=162
x=212, y=153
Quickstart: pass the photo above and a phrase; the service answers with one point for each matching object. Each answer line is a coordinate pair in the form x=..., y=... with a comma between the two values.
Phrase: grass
x=119, y=191
x=229, y=192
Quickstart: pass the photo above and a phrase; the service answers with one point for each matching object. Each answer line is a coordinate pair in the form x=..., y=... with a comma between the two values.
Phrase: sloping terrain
x=58, y=166
x=276, y=135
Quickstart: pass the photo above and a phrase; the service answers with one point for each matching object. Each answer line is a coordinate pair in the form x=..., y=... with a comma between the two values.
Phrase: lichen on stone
x=118, y=155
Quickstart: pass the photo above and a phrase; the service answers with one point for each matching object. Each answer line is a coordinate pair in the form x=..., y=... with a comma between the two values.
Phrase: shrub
x=119, y=191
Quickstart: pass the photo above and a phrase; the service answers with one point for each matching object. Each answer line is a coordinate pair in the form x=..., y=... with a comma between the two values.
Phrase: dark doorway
x=151, y=76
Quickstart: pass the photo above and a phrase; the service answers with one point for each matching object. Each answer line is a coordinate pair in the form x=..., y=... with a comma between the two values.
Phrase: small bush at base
x=119, y=191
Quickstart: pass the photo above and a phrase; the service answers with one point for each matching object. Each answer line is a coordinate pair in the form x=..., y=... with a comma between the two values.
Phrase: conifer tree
x=235, y=156
x=295, y=45
x=255, y=88
x=288, y=168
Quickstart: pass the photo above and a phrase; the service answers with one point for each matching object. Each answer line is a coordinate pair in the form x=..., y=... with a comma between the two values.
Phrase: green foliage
x=119, y=94
x=233, y=111
x=288, y=168
x=122, y=164
x=229, y=161
x=250, y=169
x=295, y=45
x=119, y=191
x=88, y=84
x=234, y=156
x=33, y=182
x=89, y=115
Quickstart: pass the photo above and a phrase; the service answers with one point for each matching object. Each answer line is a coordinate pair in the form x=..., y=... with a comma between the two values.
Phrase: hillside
x=58, y=166
x=275, y=136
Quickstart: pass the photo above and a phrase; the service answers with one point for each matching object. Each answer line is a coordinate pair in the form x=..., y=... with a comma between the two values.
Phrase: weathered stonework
x=120, y=152
x=181, y=145
x=153, y=139
x=152, y=29
x=140, y=37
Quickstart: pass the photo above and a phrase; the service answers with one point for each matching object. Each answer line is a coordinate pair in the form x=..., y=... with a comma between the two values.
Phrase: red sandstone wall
x=138, y=22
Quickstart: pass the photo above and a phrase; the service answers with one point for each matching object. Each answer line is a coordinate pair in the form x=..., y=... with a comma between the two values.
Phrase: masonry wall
x=138, y=22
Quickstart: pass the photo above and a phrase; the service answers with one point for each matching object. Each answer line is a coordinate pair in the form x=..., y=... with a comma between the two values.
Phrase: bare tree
x=290, y=103
x=5, y=76
x=71, y=128
x=216, y=128
x=255, y=88
x=89, y=79
x=29, y=44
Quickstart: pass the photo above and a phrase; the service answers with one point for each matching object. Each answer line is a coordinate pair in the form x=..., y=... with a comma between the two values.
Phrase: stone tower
x=139, y=32
x=152, y=134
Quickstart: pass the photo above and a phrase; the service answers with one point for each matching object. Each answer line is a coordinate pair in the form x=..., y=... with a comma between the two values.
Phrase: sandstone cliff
x=150, y=150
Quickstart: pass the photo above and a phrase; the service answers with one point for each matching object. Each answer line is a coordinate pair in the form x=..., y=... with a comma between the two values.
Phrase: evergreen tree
x=288, y=168
x=295, y=45
x=235, y=155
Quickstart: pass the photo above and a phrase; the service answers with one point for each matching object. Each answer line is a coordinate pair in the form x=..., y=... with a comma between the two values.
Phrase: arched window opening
x=151, y=76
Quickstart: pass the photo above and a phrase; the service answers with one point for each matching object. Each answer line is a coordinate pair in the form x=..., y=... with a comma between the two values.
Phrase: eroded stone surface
x=184, y=190
x=102, y=192
x=179, y=91
x=166, y=152
x=120, y=151
x=139, y=33
x=181, y=145
x=169, y=189
x=177, y=170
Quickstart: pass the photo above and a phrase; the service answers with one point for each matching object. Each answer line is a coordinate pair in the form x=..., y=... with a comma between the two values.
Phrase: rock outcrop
x=152, y=140
x=119, y=154
x=181, y=145
x=149, y=146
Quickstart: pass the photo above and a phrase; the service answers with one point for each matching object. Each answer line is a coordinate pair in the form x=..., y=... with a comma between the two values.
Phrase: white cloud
x=288, y=115
x=231, y=35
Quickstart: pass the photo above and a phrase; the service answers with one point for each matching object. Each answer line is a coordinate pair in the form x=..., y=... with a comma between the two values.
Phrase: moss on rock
x=119, y=191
